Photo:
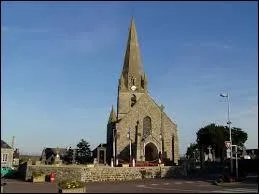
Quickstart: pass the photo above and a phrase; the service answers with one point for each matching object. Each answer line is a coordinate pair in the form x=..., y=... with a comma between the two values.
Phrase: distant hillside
x=32, y=157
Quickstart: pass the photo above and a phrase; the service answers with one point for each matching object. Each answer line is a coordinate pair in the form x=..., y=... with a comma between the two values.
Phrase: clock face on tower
x=133, y=88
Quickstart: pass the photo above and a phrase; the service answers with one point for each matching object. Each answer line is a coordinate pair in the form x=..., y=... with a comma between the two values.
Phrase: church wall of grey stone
x=151, y=131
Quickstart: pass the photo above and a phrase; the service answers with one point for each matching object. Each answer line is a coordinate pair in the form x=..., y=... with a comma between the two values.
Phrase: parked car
x=7, y=171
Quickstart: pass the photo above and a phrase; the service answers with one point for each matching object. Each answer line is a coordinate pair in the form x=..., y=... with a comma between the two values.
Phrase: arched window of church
x=133, y=80
x=133, y=100
x=146, y=126
x=142, y=83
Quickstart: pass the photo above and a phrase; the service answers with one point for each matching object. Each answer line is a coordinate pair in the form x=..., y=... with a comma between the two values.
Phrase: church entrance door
x=151, y=152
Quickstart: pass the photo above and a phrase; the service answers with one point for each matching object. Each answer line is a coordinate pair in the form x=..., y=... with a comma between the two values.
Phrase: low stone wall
x=109, y=174
x=94, y=174
x=62, y=172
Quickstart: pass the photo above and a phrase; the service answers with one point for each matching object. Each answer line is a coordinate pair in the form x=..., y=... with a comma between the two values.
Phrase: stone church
x=139, y=128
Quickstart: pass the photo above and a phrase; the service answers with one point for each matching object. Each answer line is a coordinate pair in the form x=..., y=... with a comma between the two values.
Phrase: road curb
x=226, y=184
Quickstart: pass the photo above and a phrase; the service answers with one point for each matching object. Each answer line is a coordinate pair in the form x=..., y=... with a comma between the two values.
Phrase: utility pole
x=128, y=135
x=229, y=126
x=236, y=160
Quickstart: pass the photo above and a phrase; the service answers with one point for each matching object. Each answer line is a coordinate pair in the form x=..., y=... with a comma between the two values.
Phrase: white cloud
x=212, y=44
x=208, y=76
x=247, y=119
x=89, y=41
x=217, y=45
x=251, y=111
x=24, y=30
x=4, y=28
x=187, y=44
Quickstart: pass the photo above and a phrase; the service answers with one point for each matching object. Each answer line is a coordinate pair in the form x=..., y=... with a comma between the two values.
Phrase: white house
x=6, y=155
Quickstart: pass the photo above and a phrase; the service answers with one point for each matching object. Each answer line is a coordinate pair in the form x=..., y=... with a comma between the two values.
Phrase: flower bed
x=71, y=186
x=38, y=177
x=75, y=190
x=145, y=173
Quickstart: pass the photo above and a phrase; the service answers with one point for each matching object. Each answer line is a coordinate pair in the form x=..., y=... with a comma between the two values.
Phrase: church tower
x=133, y=80
x=139, y=129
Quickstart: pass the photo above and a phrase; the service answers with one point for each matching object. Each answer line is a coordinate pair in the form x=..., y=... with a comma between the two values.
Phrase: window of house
x=4, y=157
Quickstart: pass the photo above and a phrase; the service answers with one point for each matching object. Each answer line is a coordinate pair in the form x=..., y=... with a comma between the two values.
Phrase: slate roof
x=132, y=59
x=104, y=145
x=5, y=145
x=48, y=152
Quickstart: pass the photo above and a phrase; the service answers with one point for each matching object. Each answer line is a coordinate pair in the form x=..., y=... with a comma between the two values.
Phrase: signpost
x=228, y=153
x=229, y=146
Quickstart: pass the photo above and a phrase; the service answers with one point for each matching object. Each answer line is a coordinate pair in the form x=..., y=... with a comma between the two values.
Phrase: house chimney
x=13, y=142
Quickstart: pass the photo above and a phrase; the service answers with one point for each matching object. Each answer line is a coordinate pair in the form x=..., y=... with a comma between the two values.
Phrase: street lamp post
x=229, y=126
x=161, y=133
x=144, y=144
x=161, y=146
x=128, y=135
x=113, y=145
x=236, y=159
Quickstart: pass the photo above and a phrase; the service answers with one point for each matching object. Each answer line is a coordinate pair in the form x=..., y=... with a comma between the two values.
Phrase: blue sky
x=61, y=62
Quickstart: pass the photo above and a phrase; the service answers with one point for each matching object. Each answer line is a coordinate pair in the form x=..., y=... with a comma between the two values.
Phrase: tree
x=215, y=135
x=239, y=137
x=192, y=151
x=83, y=154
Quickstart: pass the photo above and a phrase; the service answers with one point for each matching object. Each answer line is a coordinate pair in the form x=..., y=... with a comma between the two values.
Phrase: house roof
x=62, y=151
x=52, y=152
x=5, y=145
x=104, y=145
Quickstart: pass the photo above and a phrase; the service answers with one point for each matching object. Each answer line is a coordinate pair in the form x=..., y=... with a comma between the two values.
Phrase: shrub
x=143, y=173
x=70, y=184
x=36, y=174
x=23, y=160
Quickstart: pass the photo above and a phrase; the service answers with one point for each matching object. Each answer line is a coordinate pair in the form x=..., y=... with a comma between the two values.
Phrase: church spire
x=132, y=73
x=112, y=117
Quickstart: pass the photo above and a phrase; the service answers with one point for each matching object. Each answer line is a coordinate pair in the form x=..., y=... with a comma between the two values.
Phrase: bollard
x=112, y=162
x=133, y=162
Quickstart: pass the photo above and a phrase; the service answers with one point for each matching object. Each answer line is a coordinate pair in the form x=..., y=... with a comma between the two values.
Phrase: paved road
x=142, y=186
